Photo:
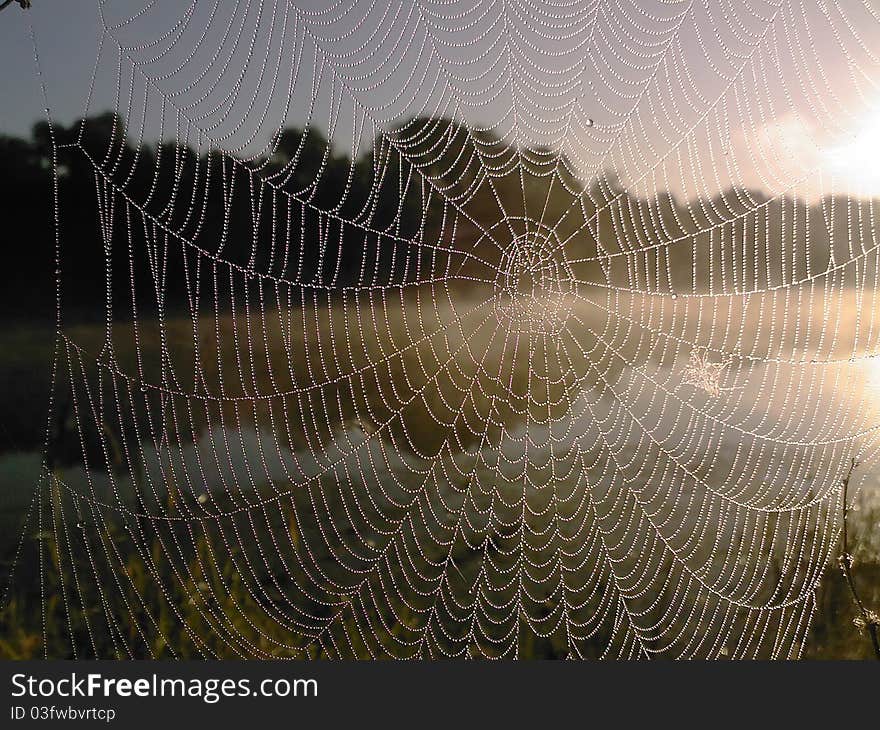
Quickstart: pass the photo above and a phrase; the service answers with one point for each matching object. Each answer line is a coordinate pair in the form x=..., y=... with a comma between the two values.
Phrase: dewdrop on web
x=350, y=291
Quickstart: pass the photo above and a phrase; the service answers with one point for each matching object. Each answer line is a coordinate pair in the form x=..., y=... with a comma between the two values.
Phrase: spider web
x=543, y=334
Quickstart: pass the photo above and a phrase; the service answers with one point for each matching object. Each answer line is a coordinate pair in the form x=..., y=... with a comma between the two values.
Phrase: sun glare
x=856, y=161
x=872, y=374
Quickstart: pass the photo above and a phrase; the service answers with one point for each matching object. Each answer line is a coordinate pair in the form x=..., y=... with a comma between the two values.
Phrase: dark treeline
x=430, y=201
x=158, y=217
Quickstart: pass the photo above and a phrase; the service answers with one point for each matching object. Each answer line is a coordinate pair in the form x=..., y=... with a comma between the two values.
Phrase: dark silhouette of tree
x=166, y=221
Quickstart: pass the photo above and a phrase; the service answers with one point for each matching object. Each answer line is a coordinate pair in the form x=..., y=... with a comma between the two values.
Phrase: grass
x=429, y=387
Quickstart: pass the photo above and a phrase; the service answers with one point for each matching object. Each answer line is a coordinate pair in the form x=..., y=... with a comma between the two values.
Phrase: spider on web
x=702, y=373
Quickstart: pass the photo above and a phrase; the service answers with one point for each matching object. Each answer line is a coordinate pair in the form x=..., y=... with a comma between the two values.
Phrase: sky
x=693, y=97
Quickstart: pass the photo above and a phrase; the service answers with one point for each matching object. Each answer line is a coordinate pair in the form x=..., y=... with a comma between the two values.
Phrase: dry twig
x=867, y=619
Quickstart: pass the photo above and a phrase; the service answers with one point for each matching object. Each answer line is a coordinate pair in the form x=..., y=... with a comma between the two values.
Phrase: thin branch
x=868, y=618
